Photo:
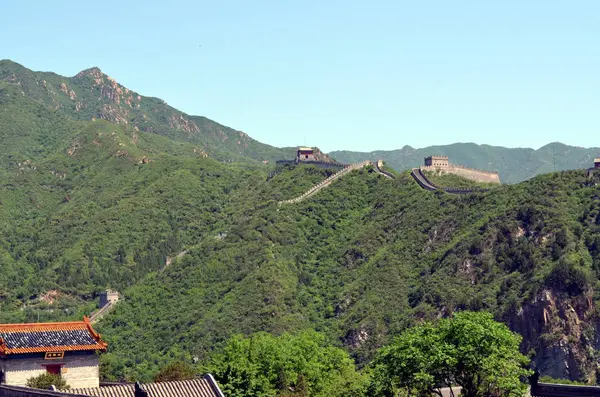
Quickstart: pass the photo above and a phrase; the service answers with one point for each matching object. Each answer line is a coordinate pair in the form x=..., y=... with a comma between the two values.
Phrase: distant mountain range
x=513, y=164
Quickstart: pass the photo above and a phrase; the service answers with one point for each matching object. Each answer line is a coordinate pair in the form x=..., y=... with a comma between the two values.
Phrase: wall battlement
x=465, y=172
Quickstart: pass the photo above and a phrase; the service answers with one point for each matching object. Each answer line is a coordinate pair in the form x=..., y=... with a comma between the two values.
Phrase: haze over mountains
x=100, y=185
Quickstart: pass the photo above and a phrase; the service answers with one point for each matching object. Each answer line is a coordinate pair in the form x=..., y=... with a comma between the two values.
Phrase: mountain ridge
x=91, y=94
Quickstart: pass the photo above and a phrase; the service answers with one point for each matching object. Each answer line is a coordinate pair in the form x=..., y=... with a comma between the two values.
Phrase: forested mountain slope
x=93, y=95
x=90, y=205
x=368, y=257
x=513, y=164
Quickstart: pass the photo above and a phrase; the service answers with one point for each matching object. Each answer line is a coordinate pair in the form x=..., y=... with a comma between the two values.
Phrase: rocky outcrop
x=561, y=330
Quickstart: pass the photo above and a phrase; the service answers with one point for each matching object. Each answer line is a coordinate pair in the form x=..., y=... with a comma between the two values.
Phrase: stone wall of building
x=468, y=173
x=79, y=370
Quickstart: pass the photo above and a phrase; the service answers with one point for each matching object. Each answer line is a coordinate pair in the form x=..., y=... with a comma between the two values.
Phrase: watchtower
x=436, y=161
x=108, y=297
x=305, y=154
x=597, y=162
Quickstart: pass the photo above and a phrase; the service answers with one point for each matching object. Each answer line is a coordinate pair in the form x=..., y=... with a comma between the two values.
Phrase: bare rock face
x=562, y=331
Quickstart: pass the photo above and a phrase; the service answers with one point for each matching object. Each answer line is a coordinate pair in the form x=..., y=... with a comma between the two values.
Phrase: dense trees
x=300, y=364
x=469, y=350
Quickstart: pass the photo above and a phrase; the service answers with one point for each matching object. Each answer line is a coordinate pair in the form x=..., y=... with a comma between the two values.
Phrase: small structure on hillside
x=436, y=161
x=67, y=349
x=595, y=169
x=107, y=297
x=305, y=154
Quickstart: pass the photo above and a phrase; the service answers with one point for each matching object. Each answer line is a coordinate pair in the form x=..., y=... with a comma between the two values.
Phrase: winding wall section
x=97, y=315
x=316, y=188
x=426, y=184
x=378, y=166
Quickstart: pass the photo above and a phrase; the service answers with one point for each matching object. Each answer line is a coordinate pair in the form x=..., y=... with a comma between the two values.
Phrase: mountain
x=200, y=249
x=367, y=257
x=513, y=165
x=92, y=95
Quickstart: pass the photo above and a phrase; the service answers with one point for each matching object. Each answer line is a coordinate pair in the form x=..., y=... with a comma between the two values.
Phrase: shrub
x=568, y=278
x=177, y=370
x=44, y=381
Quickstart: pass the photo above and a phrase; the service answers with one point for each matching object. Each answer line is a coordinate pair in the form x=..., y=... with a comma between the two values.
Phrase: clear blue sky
x=339, y=74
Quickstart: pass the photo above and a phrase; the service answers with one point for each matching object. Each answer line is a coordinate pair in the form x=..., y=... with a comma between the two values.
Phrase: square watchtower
x=436, y=161
x=305, y=154
x=107, y=297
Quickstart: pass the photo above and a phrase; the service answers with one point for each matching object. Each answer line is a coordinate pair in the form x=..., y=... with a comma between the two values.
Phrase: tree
x=177, y=370
x=297, y=365
x=470, y=350
x=44, y=381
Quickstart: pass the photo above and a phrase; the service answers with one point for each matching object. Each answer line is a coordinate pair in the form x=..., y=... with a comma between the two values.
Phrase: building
x=199, y=387
x=67, y=349
x=597, y=162
x=108, y=297
x=305, y=154
x=436, y=161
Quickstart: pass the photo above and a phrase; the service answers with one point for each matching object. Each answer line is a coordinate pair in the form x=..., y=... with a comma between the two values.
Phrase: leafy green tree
x=289, y=365
x=177, y=370
x=44, y=381
x=470, y=350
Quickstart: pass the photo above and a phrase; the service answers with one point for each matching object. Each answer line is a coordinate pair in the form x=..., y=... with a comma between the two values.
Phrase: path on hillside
x=170, y=259
x=316, y=188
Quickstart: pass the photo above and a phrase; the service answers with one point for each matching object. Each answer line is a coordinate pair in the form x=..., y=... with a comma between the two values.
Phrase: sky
x=369, y=75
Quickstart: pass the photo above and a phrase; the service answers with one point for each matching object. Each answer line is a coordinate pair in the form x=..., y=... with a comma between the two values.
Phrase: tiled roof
x=201, y=387
x=49, y=337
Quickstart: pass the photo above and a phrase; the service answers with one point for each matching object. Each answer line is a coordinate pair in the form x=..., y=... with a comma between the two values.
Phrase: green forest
x=89, y=202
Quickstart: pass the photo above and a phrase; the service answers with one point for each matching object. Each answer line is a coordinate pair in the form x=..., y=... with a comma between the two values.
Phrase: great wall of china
x=426, y=184
x=433, y=163
x=316, y=188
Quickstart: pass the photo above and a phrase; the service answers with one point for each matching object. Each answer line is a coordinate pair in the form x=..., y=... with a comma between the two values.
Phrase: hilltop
x=92, y=95
x=513, y=164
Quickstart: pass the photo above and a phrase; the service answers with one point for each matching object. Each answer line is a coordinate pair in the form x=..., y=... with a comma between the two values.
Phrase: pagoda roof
x=49, y=337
